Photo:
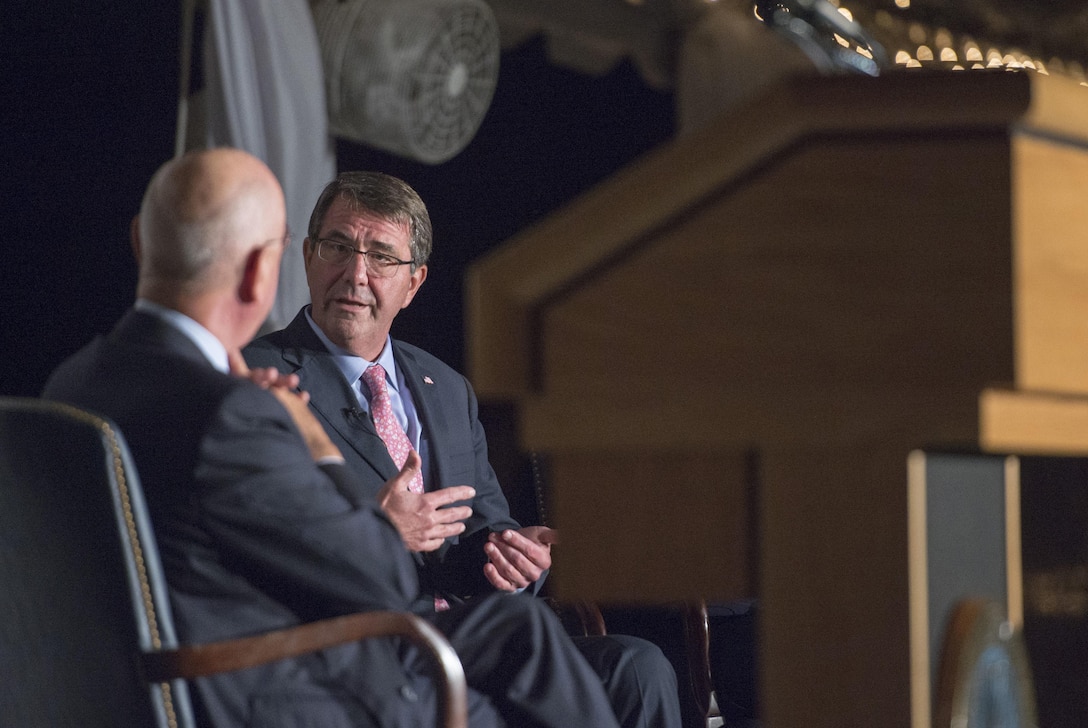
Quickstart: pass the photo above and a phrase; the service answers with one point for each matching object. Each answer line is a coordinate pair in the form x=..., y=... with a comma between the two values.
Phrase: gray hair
x=384, y=196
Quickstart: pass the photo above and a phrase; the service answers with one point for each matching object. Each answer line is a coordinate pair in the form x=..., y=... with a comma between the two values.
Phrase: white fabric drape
x=265, y=93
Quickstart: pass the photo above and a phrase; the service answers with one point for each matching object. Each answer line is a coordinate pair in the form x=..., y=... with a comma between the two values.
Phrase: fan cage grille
x=413, y=77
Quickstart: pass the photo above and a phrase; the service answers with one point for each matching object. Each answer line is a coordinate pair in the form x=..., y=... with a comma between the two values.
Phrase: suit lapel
x=434, y=421
x=331, y=396
x=430, y=409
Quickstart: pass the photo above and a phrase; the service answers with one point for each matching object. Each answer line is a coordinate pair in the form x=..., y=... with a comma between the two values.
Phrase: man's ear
x=418, y=276
x=134, y=237
x=260, y=274
x=307, y=253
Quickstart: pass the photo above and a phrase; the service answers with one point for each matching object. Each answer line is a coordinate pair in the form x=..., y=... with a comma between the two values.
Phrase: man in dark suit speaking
x=379, y=399
x=259, y=522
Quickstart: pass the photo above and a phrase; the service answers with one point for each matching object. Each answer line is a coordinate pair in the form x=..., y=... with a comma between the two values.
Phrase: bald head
x=209, y=241
x=200, y=215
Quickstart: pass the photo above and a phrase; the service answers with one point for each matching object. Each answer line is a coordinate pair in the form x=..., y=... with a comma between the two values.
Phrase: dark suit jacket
x=452, y=431
x=254, y=536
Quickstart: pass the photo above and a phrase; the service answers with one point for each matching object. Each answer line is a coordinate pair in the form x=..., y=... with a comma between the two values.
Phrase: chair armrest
x=697, y=642
x=592, y=619
x=580, y=618
x=191, y=661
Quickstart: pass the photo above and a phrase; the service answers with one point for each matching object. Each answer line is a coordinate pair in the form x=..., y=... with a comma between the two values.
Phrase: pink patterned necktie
x=385, y=422
x=392, y=434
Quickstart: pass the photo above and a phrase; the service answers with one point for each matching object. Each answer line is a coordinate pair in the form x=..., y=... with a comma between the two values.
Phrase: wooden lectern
x=730, y=349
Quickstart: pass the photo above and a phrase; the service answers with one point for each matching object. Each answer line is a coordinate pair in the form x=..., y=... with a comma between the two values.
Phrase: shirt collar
x=352, y=365
x=211, y=347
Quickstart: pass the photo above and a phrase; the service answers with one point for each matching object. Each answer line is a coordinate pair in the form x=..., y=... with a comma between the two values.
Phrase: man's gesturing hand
x=518, y=558
x=422, y=520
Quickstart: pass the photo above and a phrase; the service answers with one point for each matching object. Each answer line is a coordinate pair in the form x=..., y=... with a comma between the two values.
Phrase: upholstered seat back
x=80, y=585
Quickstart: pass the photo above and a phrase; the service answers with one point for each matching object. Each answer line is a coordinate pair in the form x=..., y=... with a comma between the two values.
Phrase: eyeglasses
x=381, y=265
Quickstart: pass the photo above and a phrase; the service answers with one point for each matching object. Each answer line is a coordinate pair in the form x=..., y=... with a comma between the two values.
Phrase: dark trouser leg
x=516, y=652
x=640, y=681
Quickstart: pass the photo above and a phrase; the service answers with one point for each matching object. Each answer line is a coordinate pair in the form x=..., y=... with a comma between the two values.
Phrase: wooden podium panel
x=829, y=279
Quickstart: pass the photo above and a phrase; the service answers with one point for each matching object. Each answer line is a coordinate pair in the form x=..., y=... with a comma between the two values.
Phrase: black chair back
x=81, y=582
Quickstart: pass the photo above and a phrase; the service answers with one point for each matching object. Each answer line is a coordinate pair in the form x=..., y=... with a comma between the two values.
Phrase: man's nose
x=356, y=269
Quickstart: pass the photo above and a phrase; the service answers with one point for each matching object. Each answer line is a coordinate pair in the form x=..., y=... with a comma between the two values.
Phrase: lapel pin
x=428, y=380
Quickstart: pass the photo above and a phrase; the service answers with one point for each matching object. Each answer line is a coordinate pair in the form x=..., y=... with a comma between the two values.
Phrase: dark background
x=88, y=106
